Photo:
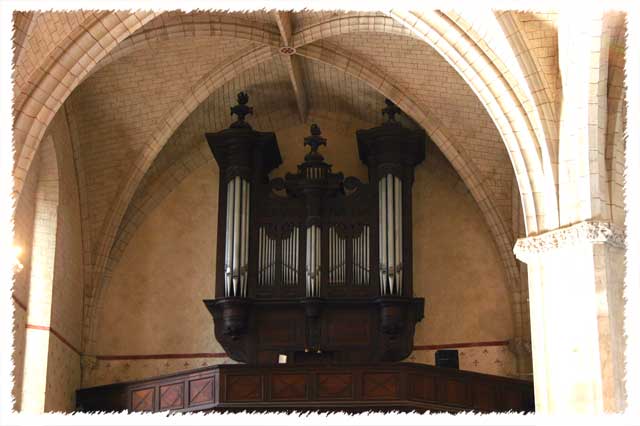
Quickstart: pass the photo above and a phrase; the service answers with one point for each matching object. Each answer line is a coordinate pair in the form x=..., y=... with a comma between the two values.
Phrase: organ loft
x=314, y=286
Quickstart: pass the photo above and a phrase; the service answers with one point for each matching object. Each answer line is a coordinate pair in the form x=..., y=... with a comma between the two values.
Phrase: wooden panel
x=347, y=328
x=290, y=387
x=267, y=357
x=484, y=396
x=335, y=386
x=512, y=399
x=452, y=391
x=172, y=396
x=315, y=386
x=201, y=391
x=421, y=387
x=244, y=388
x=142, y=399
x=381, y=385
x=277, y=328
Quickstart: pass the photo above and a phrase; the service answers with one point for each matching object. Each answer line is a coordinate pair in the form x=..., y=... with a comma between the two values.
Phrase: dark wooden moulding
x=350, y=322
x=352, y=388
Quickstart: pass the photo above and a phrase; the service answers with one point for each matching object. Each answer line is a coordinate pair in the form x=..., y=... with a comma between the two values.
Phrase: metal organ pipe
x=398, y=233
x=228, y=241
x=390, y=220
x=244, y=264
x=381, y=233
x=391, y=252
x=360, y=262
x=237, y=238
x=366, y=255
x=290, y=258
x=313, y=261
x=260, y=254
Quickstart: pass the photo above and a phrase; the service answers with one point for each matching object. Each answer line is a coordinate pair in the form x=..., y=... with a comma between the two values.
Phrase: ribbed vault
x=146, y=86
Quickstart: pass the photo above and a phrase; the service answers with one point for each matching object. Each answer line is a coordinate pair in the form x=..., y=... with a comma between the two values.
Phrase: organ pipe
x=237, y=238
x=290, y=258
x=360, y=254
x=313, y=261
x=390, y=244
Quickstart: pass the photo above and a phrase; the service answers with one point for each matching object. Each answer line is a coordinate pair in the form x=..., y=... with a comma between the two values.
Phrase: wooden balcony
x=322, y=387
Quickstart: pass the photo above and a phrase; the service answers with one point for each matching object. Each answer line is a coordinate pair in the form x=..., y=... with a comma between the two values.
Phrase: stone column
x=575, y=295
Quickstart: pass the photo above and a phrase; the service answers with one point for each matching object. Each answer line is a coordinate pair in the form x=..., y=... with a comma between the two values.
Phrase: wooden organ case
x=315, y=266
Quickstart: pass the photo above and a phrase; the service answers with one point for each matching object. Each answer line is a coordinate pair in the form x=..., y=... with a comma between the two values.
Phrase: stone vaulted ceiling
x=115, y=111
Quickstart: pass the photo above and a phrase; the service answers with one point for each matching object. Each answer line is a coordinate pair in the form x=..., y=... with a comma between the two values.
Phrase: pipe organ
x=314, y=265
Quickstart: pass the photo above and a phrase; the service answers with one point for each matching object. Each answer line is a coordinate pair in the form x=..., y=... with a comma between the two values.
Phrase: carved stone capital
x=590, y=232
x=520, y=346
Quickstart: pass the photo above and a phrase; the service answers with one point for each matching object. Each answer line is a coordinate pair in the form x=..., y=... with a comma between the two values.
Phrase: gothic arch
x=59, y=74
x=531, y=156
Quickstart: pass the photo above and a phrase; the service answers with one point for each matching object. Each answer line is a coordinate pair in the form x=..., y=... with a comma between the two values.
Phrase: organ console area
x=314, y=271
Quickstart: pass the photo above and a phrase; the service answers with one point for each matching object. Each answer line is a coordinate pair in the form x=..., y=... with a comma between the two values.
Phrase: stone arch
x=356, y=23
x=540, y=88
x=531, y=156
x=616, y=115
x=59, y=74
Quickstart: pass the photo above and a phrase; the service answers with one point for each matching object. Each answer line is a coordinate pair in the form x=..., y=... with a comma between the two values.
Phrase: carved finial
x=390, y=111
x=314, y=141
x=241, y=110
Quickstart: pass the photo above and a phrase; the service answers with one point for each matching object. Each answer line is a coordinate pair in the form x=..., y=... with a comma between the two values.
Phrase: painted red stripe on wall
x=162, y=356
x=55, y=333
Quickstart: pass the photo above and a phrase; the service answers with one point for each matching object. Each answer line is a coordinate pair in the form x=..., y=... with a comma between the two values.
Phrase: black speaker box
x=447, y=358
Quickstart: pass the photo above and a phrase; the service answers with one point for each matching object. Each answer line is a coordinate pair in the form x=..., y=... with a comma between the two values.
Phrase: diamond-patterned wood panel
x=289, y=387
x=201, y=391
x=312, y=386
x=244, y=388
x=142, y=399
x=381, y=385
x=172, y=396
x=335, y=386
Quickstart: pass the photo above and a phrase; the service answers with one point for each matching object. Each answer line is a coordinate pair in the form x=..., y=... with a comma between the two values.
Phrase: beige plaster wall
x=457, y=269
x=456, y=265
x=153, y=304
